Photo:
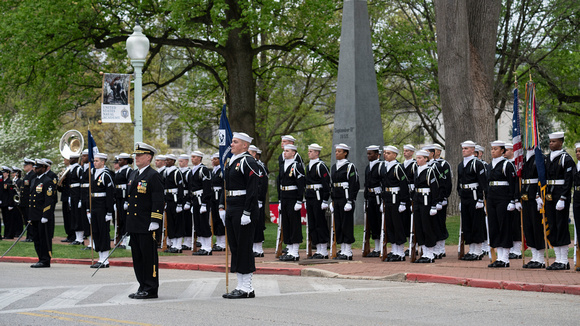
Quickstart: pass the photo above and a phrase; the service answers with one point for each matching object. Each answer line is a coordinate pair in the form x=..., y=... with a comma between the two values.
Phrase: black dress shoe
x=28, y=240
x=122, y=247
x=218, y=248
x=396, y=258
x=471, y=257
x=407, y=253
x=288, y=257
x=173, y=250
x=202, y=252
x=319, y=256
x=556, y=267
x=374, y=253
x=66, y=240
x=132, y=295
x=578, y=269
x=534, y=265
x=39, y=265
x=239, y=294
x=75, y=243
x=258, y=254
x=424, y=260
x=514, y=256
x=198, y=244
x=99, y=265
x=389, y=255
x=86, y=248
x=184, y=247
x=143, y=295
x=498, y=264
x=343, y=257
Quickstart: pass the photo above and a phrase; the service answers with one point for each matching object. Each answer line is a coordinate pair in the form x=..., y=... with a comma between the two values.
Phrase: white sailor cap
x=170, y=157
x=40, y=161
x=259, y=151
x=183, y=157
x=49, y=161
x=6, y=169
x=160, y=157
x=315, y=147
x=391, y=148
x=499, y=143
x=373, y=148
x=243, y=136
x=197, y=153
x=409, y=147
x=215, y=155
x=479, y=148
x=253, y=148
x=468, y=143
x=15, y=168
x=437, y=146
x=343, y=146
x=422, y=153
x=289, y=138
x=74, y=155
x=290, y=146
x=556, y=135
x=28, y=161
x=124, y=155
x=428, y=147
x=142, y=148
x=509, y=145
x=102, y=155
x=577, y=145
x=85, y=152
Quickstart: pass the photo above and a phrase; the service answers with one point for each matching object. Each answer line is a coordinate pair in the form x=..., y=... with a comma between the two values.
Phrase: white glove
x=186, y=207
x=433, y=211
x=539, y=202
x=68, y=201
x=223, y=216
x=411, y=187
x=89, y=217
x=381, y=208
x=377, y=190
x=439, y=206
x=79, y=205
x=245, y=220
x=126, y=205
x=297, y=206
x=203, y=209
x=511, y=207
x=560, y=205
x=178, y=209
x=43, y=220
x=108, y=217
x=479, y=205
x=331, y=207
x=347, y=207
x=10, y=208
x=153, y=226
x=460, y=207
x=324, y=205
x=260, y=204
x=519, y=206
x=402, y=207
x=444, y=203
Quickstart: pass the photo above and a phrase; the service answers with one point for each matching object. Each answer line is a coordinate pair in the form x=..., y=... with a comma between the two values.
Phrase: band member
x=560, y=175
x=317, y=196
x=372, y=194
x=516, y=250
x=174, y=200
x=501, y=198
x=427, y=195
x=292, y=185
x=144, y=216
x=73, y=181
x=18, y=210
x=84, y=203
x=395, y=198
x=28, y=168
x=262, y=192
x=345, y=186
x=6, y=203
x=102, y=209
x=241, y=178
x=121, y=178
x=576, y=203
x=183, y=161
x=532, y=204
x=41, y=212
x=410, y=166
x=217, y=185
x=445, y=186
x=471, y=182
x=201, y=194
x=65, y=200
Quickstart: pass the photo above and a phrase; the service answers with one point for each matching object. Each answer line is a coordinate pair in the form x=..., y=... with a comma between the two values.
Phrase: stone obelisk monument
x=357, y=117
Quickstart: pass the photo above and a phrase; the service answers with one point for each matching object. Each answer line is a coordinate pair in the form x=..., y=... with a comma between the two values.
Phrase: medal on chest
x=39, y=188
x=142, y=187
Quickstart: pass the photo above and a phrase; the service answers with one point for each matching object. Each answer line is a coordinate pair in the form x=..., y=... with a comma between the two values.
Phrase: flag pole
x=91, y=205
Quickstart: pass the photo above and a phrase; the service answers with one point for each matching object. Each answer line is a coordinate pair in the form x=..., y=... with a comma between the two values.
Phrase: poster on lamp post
x=115, y=101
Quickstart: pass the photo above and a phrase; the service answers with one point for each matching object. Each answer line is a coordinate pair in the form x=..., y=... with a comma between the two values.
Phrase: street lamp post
x=137, y=49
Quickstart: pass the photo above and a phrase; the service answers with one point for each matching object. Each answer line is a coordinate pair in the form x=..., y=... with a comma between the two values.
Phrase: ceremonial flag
x=532, y=138
x=92, y=149
x=517, y=137
x=225, y=138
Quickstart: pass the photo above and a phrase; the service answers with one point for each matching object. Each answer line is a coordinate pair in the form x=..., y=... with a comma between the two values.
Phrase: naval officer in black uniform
x=42, y=201
x=241, y=176
x=144, y=215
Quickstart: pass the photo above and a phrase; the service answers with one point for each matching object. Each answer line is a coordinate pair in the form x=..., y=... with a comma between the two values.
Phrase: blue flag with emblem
x=93, y=149
x=225, y=138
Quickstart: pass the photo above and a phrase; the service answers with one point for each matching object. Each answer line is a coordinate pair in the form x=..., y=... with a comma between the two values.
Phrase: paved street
x=67, y=295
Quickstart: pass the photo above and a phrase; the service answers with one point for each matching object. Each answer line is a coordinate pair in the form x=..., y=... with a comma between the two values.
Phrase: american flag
x=517, y=137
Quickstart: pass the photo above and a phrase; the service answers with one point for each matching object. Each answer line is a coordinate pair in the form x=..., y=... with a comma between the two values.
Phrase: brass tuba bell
x=71, y=142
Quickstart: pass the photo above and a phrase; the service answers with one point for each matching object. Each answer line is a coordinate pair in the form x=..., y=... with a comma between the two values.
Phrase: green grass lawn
x=26, y=249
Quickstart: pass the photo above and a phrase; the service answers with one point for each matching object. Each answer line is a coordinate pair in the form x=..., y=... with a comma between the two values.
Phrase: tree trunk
x=466, y=37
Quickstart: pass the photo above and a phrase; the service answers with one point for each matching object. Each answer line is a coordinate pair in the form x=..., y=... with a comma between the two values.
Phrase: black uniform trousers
x=240, y=237
x=472, y=222
x=516, y=226
x=533, y=227
x=30, y=232
x=43, y=240
x=500, y=222
x=406, y=216
x=101, y=228
x=374, y=217
x=425, y=226
x=201, y=221
x=8, y=222
x=394, y=224
x=317, y=224
x=218, y=226
x=291, y=223
x=558, y=223
x=442, y=233
x=175, y=227
x=260, y=224
x=146, y=260
x=187, y=216
x=77, y=214
x=18, y=220
x=343, y=221
x=121, y=217
x=67, y=220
